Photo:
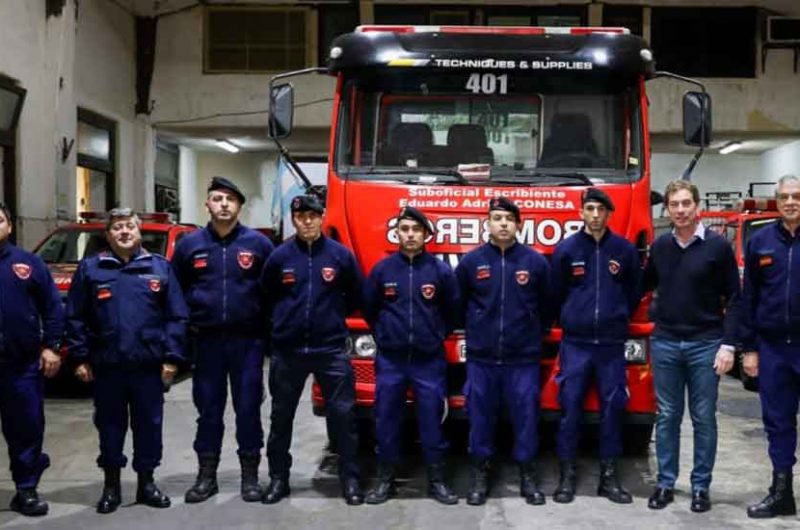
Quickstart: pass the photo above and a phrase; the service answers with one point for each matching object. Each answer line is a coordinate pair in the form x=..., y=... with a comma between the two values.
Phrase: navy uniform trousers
x=490, y=386
x=220, y=356
x=428, y=379
x=579, y=363
x=22, y=417
x=287, y=377
x=779, y=389
x=124, y=394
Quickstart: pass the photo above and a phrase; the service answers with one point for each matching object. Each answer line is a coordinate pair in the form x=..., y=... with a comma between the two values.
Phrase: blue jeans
x=678, y=365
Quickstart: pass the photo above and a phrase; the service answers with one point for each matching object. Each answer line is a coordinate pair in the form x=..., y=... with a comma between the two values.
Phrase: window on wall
x=623, y=16
x=95, y=183
x=256, y=39
x=558, y=16
x=705, y=42
x=420, y=15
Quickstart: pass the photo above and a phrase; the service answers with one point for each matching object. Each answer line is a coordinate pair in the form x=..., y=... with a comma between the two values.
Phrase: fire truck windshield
x=69, y=245
x=494, y=129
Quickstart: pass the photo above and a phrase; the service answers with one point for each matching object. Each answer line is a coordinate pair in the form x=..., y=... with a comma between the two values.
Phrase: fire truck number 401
x=487, y=84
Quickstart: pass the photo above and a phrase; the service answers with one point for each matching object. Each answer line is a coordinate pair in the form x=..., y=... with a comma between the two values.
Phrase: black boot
x=277, y=489
x=567, y=480
x=148, y=493
x=27, y=502
x=112, y=494
x=206, y=483
x=385, y=487
x=779, y=501
x=251, y=490
x=437, y=487
x=479, y=482
x=351, y=491
x=609, y=485
x=528, y=487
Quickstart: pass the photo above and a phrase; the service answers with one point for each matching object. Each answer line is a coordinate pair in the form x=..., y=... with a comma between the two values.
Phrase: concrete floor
x=73, y=482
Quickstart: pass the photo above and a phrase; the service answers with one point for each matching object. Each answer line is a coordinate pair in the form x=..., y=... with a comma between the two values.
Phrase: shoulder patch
x=22, y=270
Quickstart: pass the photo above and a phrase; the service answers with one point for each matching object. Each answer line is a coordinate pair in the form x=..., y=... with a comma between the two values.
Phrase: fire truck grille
x=364, y=372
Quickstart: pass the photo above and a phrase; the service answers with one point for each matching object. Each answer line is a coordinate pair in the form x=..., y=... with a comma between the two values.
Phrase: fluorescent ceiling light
x=228, y=146
x=730, y=147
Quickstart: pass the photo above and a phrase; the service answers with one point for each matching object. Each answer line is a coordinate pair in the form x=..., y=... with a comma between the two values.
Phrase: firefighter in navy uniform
x=31, y=325
x=411, y=304
x=219, y=268
x=771, y=341
x=596, y=282
x=508, y=310
x=126, y=323
x=312, y=283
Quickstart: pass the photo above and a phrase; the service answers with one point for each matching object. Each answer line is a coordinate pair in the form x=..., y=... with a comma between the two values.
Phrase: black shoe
x=567, y=480
x=528, y=487
x=609, y=485
x=277, y=489
x=779, y=500
x=660, y=498
x=438, y=489
x=479, y=483
x=701, y=502
x=27, y=502
x=205, y=485
x=385, y=487
x=111, y=497
x=250, y=488
x=351, y=491
x=148, y=493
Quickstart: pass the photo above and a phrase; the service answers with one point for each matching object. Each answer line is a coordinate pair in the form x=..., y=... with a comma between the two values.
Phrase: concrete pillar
x=366, y=11
x=187, y=185
x=143, y=195
x=595, y=14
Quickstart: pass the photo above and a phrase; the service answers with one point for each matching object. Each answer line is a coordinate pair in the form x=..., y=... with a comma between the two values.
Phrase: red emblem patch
x=389, y=290
x=103, y=293
x=522, y=277
x=200, y=262
x=245, y=259
x=22, y=270
x=483, y=273
x=578, y=270
x=328, y=274
x=428, y=291
x=155, y=285
x=287, y=278
x=613, y=266
x=763, y=261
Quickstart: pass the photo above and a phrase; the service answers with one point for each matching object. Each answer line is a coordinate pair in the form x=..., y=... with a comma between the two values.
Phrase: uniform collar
x=784, y=234
x=316, y=245
x=590, y=237
x=109, y=258
x=6, y=248
x=416, y=259
x=498, y=250
x=230, y=237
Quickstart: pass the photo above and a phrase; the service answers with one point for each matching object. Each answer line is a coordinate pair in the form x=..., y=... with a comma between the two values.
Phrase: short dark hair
x=6, y=213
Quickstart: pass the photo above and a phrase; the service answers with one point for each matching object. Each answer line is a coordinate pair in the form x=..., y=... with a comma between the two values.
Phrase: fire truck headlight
x=361, y=346
x=636, y=351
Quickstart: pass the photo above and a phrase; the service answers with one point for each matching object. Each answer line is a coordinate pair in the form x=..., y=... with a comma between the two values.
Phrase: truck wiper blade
x=417, y=171
x=544, y=179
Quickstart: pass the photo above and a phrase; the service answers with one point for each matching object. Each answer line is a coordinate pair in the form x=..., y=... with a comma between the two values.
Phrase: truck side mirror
x=656, y=198
x=281, y=111
x=697, y=119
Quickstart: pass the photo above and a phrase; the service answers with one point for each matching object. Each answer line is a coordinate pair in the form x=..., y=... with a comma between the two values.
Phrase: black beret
x=501, y=203
x=221, y=183
x=597, y=195
x=307, y=203
x=409, y=212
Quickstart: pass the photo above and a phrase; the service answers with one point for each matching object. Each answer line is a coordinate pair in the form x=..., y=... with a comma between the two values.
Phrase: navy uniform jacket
x=597, y=286
x=220, y=278
x=411, y=304
x=772, y=287
x=125, y=313
x=311, y=289
x=31, y=315
x=507, y=303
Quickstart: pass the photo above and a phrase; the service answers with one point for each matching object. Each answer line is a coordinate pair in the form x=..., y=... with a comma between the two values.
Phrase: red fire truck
x=445, y=118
